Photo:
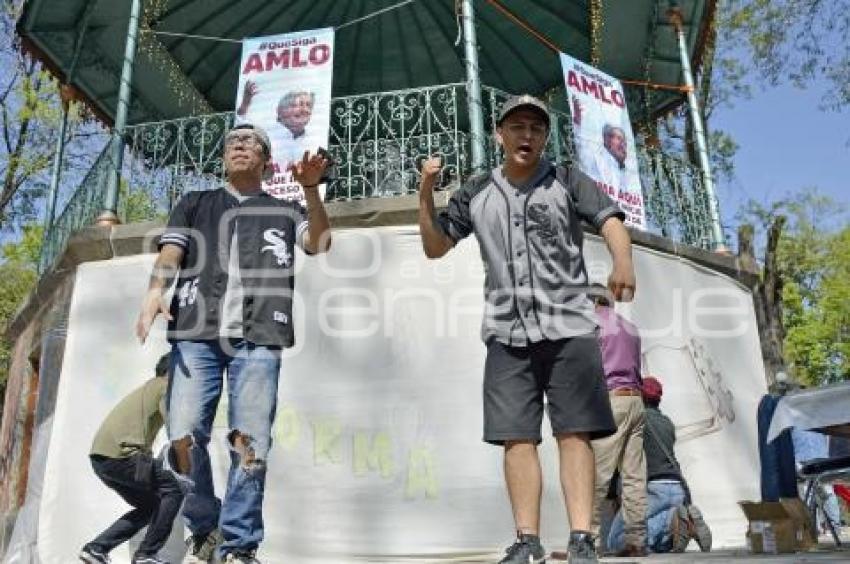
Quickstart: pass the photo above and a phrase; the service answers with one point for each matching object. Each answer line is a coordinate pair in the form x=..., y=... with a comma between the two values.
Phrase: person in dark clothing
x=122, y=458
x=671, y=517
x=778, y=473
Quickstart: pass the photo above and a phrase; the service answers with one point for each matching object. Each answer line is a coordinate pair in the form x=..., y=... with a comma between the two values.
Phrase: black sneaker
x=526, y=550
x=581, y=549
x=701, y=532
x=241, y=557
x=91, y=555
x=201, y=548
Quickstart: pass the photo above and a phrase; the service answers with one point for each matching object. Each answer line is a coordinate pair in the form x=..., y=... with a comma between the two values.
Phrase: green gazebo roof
x=413, y=45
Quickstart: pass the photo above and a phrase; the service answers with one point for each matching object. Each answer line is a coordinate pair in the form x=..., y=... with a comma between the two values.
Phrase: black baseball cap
x=523, y=102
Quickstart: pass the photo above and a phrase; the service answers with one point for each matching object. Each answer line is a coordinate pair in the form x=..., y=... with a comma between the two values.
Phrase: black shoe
x=581, y=549
x=526, y=550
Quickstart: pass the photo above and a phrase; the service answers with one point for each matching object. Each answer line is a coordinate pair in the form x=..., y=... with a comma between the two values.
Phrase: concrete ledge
x=103, y=243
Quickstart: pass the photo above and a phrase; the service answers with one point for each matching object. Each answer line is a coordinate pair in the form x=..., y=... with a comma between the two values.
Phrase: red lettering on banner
x=597, y=90
x=293, y=57
x=617, y=97
x=572, y=80
x=296, y=58
x=607, y=189
x=630, y=197
x=320, y=54
x=590, y=86
x=277, y=59
x=254, y=64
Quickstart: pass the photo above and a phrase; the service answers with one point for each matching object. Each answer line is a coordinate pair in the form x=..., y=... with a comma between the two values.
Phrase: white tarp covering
x=812, y=409
x=378, y=450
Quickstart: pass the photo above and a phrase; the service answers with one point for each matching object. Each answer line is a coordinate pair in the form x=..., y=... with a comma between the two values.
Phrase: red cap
x=652, y=389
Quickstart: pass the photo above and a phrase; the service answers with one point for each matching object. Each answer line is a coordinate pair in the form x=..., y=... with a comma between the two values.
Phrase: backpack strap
x=670, y=458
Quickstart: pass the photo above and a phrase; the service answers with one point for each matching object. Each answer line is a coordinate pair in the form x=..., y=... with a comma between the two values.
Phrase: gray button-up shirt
x=531, y=239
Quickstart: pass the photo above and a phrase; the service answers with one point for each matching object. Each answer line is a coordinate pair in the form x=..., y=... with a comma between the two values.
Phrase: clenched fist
x=430, y=171
x=431, y=166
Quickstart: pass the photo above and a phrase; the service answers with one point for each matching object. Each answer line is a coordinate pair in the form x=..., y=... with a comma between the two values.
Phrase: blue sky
x=786, y=143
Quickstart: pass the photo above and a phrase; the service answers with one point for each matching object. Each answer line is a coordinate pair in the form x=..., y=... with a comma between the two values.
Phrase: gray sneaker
x=201, y=548
x=526, y=550
x=701, y=532
x=582, y=549
x=241, y=558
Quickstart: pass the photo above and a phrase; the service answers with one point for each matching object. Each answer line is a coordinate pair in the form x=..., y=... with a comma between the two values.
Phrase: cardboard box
x=781, y=527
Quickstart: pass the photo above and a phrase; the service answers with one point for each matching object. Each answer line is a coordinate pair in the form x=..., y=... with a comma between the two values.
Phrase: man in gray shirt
x=539, y=325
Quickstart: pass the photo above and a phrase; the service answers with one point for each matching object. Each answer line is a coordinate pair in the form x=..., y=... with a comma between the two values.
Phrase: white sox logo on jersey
x=278, y=247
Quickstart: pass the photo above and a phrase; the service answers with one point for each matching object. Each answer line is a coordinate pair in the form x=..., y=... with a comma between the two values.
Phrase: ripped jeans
x=195, y=386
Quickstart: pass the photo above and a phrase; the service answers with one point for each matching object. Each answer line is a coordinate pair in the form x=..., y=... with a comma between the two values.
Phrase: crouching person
x=671, y=519
x=122, y=458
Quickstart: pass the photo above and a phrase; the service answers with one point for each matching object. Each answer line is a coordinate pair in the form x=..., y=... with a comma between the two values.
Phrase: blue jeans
x=195, y=386
x=664, y=497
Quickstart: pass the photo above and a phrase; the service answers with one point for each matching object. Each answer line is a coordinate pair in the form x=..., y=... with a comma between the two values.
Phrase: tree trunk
x=767, y=296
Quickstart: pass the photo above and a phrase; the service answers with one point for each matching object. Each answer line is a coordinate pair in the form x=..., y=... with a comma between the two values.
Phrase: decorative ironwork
x=676, y=202
x=377, y=142
x=166, y=159
x=80, y=211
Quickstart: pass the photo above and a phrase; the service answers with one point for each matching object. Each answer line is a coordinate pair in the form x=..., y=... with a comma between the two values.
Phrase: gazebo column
x=473, y=88
x=109, y=216
x=718, y=241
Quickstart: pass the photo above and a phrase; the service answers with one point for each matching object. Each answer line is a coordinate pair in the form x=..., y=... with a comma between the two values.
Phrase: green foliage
x=30, y=118
x=723, y=150
x=817, y=344
x=25, y=252
x=138, y=205
x=792, y=41
x=812, y=258
x=18, y=275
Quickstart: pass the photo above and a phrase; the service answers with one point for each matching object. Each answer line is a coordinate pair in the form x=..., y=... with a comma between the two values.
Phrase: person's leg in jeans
x=616, y=535
x=252, y=381
x=664, y=498
x=633, y=472
x=194, y=389
x=119, y=475
x=170, y=497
